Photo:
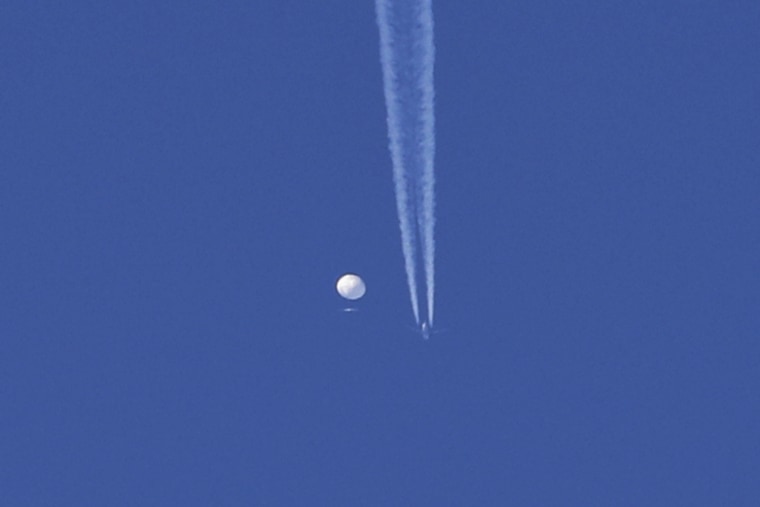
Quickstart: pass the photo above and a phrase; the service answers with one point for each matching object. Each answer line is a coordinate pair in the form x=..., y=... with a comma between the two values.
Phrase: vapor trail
x=407, y=54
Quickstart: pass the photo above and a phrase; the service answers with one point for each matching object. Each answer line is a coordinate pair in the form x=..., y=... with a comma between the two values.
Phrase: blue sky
x=181, y=184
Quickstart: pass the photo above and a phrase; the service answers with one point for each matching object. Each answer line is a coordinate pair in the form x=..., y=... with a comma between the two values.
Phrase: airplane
x=425, y=331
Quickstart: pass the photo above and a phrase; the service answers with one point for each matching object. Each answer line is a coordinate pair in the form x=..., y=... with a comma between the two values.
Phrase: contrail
x=407, y=54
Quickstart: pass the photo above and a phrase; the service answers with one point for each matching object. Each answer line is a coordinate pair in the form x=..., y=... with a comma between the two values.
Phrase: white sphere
x=351, y=286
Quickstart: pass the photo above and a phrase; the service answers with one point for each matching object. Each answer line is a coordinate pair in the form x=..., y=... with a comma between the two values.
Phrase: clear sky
x=181, y=183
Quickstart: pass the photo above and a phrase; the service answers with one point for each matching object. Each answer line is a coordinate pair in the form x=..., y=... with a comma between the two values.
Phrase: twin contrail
x=407, y=54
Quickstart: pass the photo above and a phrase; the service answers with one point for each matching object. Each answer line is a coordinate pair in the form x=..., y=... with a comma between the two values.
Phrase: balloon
x=351, y=286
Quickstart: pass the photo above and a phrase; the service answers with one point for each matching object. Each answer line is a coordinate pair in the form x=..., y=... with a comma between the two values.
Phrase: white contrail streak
x=407, y=54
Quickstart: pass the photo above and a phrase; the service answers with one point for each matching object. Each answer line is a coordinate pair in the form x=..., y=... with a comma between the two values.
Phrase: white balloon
x=351, y=286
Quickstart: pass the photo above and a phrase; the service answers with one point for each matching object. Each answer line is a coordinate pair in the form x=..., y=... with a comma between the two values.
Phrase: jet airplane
x=425, y=330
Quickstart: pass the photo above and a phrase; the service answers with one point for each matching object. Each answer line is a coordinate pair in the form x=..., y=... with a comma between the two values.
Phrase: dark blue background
x=182, y=183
